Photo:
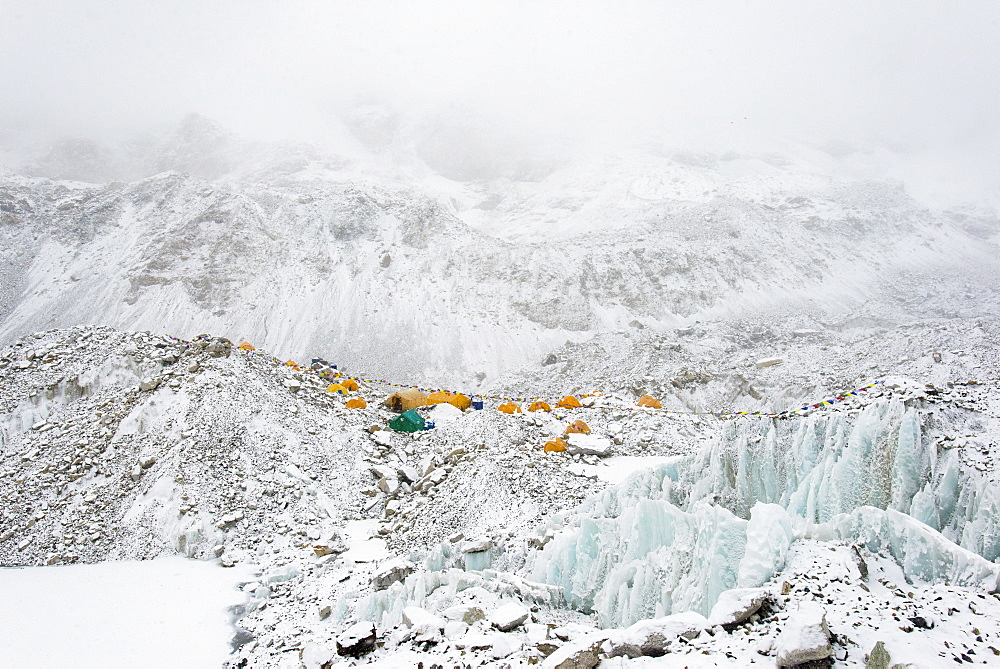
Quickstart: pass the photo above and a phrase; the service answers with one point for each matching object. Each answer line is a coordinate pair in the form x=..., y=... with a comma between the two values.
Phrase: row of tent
x=406, y=400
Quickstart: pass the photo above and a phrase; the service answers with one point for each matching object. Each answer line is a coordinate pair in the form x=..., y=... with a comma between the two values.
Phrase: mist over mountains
x=455, y=269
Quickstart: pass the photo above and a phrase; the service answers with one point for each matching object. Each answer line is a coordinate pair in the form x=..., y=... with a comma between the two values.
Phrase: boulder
x=393, y=571
x=735, y=606
x=805, y=637
x=382, y=438
x=477, y=546
x=424, y=626
x=583, y=653
x=509, y=616
x=389, y=486
x=466, y=613
x=414, y=616
x=504, y=645
x=382, y=471
x=588, y=444
x=650, y=637
x=357, y=640
x=407, y=474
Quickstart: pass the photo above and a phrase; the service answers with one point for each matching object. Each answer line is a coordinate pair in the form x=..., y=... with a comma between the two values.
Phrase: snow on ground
x=157, y=614
x=616, y=469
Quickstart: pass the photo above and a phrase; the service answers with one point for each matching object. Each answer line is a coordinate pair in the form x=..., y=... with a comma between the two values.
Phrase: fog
x=921, y=80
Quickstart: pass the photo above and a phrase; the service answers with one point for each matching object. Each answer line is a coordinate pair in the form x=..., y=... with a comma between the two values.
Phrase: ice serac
x=650, y=560
x=922, y=552
x=673, y=538
x=827, y=465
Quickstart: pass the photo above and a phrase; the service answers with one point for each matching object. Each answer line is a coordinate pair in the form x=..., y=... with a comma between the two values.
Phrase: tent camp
x=457, y=400
x=408, y=421
x=509, y=407
x=538, y=405
x=650, y=402
x=405, y=400
x=569, y=402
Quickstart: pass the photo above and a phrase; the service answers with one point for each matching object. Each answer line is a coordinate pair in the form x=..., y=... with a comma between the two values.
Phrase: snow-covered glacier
x=673, y=538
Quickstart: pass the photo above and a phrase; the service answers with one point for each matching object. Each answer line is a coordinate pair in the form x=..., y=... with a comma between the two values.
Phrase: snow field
x=159, y=614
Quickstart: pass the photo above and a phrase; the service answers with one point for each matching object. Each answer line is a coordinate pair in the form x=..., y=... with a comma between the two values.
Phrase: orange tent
x=405, y=400
x=569, y=402
x=350, y=384
x=356, y=403
x=538, y=405
x=650, y=402
x=577, y=427
x=457, y=400
x=509, y=407
x=246, y=346
x=293, y=364
x=555, y=446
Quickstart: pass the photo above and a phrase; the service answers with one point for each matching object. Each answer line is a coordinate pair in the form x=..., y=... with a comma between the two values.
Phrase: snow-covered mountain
x=404, y=273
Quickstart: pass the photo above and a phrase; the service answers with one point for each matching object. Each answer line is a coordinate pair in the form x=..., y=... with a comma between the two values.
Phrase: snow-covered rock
x=390, y=572
x=585, y=652
x=588, y=444
x=735, y=606
x=414, y=616
x=805, y=636
x=509, y=616
x=357, y=640
x=651, y=637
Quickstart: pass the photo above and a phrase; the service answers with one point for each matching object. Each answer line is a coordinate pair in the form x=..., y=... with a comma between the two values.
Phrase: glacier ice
x=673, y=538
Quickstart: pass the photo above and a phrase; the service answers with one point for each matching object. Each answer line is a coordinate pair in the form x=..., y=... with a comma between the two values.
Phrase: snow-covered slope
x=459, y=282
x=468, y=543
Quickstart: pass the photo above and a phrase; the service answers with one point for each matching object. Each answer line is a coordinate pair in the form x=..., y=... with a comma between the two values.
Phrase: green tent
x=408, y=421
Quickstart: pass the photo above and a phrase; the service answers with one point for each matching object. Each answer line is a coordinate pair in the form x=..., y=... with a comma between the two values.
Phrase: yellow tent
x=650, y=402
x=577, y=427
x=538, y=405
x=336, y=389
x=246, y=346
x=356, y=403
x=555, y=446
x=350, y=384
x=405, y=400
x=509, y=407
x=447, y=397
x=569, y=402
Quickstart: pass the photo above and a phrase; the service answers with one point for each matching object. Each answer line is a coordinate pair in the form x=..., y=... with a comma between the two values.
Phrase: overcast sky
x=915, y=75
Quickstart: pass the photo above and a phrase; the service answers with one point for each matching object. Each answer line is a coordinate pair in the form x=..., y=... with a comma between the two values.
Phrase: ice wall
x=829, y=465
x=672, y=538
